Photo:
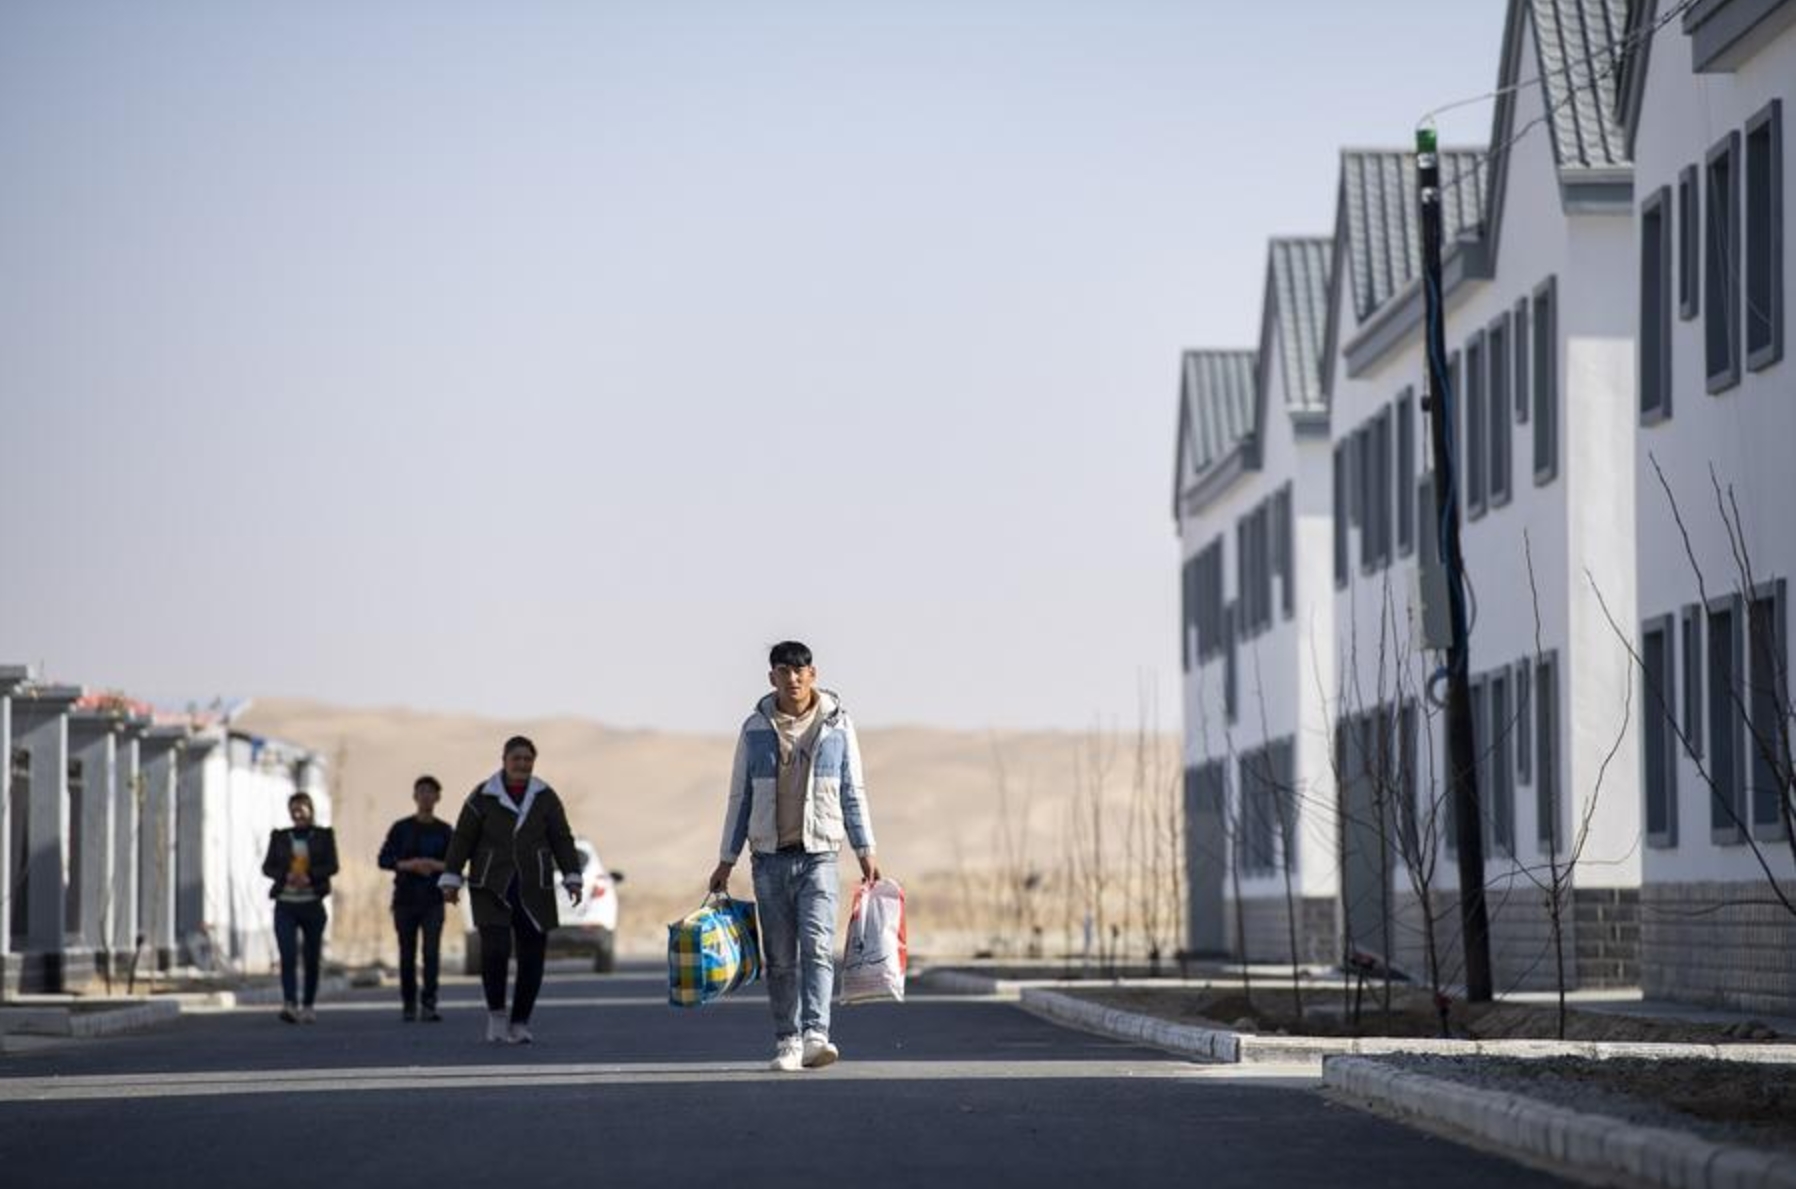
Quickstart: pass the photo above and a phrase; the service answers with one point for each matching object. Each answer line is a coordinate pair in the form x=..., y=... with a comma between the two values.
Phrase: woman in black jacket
x=512, y=835
x=301, y=862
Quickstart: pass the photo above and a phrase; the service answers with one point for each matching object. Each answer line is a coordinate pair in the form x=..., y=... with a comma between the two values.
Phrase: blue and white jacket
x=835, y=796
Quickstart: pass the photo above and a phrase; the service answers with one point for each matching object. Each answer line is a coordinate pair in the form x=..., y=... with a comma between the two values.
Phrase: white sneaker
x=307, y=1016
x=520, y=1035
x=788, y=1057
x=818, y=1052
x=290, y=1013
x=498, y=1027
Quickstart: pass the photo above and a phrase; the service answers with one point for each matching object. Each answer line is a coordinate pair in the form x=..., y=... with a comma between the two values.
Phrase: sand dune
x=652, y=803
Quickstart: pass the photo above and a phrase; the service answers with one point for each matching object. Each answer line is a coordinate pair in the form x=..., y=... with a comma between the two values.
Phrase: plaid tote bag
x=713, y=951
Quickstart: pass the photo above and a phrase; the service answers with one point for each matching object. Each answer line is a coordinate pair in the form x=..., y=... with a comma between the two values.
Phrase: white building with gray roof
x=1252, y=506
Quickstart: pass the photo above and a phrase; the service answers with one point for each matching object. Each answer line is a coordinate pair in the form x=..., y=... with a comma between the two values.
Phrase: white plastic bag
x=878, y=949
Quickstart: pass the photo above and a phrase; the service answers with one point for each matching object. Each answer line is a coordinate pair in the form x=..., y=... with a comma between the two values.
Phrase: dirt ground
x=1726, y=1101
x=1271, y=1009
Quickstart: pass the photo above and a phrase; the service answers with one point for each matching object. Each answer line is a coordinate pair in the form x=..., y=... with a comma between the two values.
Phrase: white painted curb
x=1592, y=1144
x=1222, y=1044
x=109, y=1021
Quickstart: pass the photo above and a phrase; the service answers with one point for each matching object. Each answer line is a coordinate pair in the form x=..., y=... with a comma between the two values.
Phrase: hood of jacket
x=829, y=705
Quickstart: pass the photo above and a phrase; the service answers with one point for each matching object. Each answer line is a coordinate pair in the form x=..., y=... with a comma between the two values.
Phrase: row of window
x=1509, y=368
x=1266, y=831
x=1204, y=615
x=1370, y=465
x=1731, y=715
x=1263, y=552
x=1516, y=725
x=1736, y=253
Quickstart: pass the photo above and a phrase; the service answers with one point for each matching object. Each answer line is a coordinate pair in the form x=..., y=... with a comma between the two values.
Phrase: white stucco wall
x=1745, y=433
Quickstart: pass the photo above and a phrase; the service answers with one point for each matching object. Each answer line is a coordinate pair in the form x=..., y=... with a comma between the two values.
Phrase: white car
x=589, y=927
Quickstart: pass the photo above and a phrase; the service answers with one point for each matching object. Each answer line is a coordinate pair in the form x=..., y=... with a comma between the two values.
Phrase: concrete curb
x=105, y=1021
x=1223, y=1044
x=1591, y=1144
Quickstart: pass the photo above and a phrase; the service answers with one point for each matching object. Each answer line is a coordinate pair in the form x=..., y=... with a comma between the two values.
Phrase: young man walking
x=796, y=791
x=414, y=851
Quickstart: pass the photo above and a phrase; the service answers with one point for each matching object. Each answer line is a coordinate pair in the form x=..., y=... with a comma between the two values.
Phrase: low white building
x=130, y=845
x=1252, y=506
x=1707, y=111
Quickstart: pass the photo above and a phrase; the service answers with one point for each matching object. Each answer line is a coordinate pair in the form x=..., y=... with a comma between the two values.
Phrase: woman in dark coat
x=512, y=835
x=301, y=862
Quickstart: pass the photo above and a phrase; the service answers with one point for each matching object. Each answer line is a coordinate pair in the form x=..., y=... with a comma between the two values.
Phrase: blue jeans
x=795, y=893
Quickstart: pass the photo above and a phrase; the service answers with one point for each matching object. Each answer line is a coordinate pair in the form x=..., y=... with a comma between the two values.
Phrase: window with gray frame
x=1768, y=709
x=1363, y=487
x=1207, y=593
x=1727, y=808
x=1408, y=785
x=1285, y=518
x=1546, y=754
x=1524, y=362
x=1253, y=573
x=1284, y=772
x=1480, y=765
x=1340, y=513
x=1406, y=472
x=1472, y=454
x=74, y=794
x=1654, y=342
x=1501, y=790
x=1454, y=402
x=1381, y=487
x=1187, y=611
x=1689, y=244
x=18, y=792
x=1497, y=351
x=1255, y=815
x=1692, y=672
x=1524, y=720
x=1230, y=705
x=1765, y=237
x=1721, y=265
x=1658, y=739
x=1545, y=381
x=1266, y=814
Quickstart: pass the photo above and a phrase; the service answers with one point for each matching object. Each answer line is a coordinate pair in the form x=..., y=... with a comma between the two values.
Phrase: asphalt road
x=622, y=1090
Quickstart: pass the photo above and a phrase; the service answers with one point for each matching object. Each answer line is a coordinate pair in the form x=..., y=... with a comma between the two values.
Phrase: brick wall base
x=1699, y=944
x=1266, y=922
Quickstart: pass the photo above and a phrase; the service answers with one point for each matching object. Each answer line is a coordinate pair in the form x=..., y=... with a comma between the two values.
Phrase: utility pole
x=1462, y=748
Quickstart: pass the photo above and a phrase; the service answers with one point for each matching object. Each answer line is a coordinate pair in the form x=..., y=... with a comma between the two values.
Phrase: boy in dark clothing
x=414, y=852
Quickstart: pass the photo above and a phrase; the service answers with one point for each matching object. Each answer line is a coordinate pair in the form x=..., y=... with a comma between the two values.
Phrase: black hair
x=296, y=798
x=436, y=786
x=517, y=741
x=790, y=653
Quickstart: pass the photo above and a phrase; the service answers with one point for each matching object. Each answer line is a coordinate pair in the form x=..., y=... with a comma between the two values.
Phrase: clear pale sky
x=531, y=358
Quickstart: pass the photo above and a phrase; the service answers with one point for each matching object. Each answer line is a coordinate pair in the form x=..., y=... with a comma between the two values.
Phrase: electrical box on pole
x=1462, y=749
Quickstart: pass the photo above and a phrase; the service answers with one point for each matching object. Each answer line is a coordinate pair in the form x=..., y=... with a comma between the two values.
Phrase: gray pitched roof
x=1579, y=46
x=1297, y=273
x=1383, y=230
x=1216, y=410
